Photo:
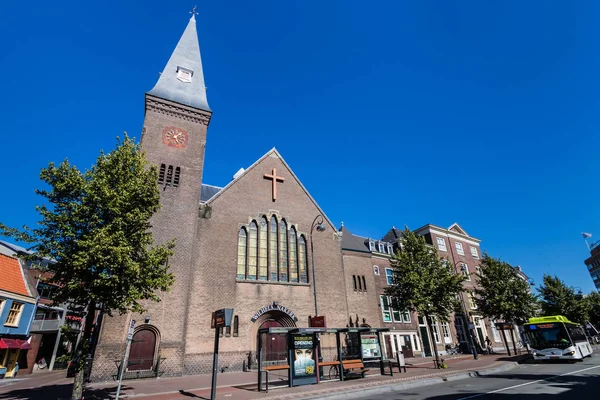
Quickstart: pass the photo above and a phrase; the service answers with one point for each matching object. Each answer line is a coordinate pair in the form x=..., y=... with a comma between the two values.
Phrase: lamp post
x=318, y=224
x=467, y=319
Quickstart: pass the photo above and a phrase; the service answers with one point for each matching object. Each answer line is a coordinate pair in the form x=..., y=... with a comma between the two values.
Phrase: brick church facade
x=245, y=246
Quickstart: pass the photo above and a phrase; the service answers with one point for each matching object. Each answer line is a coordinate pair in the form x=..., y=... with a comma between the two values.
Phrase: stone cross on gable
x=275, y=178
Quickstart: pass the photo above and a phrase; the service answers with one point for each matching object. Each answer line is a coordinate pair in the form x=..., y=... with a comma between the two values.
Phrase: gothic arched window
x=241, y=263
x=252, y=250
x=302, y=267
x=293, y=255
x=283, y=251
x=273, y=250
x=263, y=251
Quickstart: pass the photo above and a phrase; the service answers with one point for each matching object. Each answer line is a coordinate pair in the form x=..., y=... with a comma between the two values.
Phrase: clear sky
x=389, y=112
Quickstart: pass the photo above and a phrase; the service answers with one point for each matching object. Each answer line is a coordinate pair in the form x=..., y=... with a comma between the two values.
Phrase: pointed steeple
x=182, y=80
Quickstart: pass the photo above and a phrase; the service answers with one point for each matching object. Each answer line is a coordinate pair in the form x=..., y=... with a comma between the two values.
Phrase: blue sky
x=390, y=112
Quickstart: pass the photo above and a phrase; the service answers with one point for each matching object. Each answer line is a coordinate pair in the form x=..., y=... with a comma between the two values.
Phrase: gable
x=13, y=279
x=455, y=227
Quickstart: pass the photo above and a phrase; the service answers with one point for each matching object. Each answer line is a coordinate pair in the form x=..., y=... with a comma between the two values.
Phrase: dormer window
x=390, y=248
x=381, y=248
x=184, y=74
x=371, y=245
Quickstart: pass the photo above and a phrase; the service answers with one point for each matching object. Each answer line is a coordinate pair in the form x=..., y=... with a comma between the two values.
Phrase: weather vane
x=194, y=12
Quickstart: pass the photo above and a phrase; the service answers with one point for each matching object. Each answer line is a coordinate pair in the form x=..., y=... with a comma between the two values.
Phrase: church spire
x=182, y=80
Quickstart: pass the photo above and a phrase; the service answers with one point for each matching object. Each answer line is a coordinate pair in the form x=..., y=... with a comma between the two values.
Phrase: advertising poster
x=370, y=345
x=304, y=355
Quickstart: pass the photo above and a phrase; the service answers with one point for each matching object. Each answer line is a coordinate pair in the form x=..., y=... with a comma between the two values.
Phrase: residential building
x=593, y=264
x=17, y=307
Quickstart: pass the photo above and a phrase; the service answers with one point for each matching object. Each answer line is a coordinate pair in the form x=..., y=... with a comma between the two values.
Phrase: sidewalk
x=243, y=385
x=53, y=385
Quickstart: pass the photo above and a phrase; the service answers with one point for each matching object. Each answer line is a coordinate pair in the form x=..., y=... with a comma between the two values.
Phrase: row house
x=17, y=307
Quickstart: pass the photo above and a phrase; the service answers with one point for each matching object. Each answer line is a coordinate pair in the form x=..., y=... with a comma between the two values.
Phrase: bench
x=266, y=370
x=350, y=365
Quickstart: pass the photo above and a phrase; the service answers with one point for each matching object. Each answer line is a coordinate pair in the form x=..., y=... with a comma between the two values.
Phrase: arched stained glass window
x=252, y=250
x=293, y=255
x=241, y=263
x=273, y=250
x=262, y=250
x=283, y=251
x=302, y=266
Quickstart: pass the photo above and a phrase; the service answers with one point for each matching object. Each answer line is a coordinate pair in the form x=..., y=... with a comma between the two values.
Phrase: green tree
x=593, y=300
x=557, y=298
x=503, y=295
x=95, y=225
x=423, y=283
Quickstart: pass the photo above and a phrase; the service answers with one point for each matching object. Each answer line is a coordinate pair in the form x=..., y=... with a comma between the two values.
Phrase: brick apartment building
x=593, y=264
x=247, y=246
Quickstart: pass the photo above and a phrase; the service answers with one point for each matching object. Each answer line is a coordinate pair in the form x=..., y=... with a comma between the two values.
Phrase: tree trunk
x=505, y=341
x=512, y=336
x=82, y=352
x=433, y=342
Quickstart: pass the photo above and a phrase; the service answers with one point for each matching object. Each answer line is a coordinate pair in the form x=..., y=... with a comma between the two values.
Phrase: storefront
x=10, y=351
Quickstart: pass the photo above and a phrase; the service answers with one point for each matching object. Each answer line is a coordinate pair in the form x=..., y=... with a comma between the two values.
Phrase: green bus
x=557, y=338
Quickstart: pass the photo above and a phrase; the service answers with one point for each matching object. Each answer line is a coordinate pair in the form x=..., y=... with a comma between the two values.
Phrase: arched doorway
x=274, y=344
x=143, y=350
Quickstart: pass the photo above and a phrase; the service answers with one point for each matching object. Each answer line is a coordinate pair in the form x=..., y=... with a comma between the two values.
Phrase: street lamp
x=467, y=320
x=318, y=224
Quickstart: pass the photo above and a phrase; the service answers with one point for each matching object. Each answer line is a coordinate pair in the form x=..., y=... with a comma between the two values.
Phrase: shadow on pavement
x=559, y=387
x=53, y=392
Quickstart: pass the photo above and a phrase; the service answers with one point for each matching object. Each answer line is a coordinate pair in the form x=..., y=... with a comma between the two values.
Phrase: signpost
x=220, y=318
x=125, y=357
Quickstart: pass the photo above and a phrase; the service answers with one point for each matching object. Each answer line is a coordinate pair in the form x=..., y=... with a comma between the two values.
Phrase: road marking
x=527, y=383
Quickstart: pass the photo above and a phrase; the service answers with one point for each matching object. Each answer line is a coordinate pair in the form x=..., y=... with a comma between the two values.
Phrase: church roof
x=352, y=242
x=182, y=80
x=208, y=191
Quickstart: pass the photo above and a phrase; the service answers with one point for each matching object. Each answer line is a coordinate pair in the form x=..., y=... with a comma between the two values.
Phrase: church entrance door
x=274, y=345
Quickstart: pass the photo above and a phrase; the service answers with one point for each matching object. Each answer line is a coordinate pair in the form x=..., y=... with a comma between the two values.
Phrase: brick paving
x=237, y=385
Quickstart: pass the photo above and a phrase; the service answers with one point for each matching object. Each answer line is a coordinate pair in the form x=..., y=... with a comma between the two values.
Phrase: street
x=579, y=381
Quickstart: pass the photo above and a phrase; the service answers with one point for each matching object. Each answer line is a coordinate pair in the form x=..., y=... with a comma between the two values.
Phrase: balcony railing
x=44, y=325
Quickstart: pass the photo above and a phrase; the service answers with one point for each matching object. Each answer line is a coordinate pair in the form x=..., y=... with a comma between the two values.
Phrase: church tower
x=173, y=137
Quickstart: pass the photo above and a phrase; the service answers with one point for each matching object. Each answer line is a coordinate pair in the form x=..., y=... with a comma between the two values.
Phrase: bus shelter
x=305, y=356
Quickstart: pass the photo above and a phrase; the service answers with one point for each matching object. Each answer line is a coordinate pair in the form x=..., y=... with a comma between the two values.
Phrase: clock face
x=175, y=137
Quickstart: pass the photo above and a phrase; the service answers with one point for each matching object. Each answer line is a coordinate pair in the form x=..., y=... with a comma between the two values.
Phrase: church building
x=248, y=246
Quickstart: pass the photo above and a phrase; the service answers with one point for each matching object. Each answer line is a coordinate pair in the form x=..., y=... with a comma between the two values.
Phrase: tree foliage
x=95, y=226
x=502, y=294
x=557, y=298
x=593, y=300
x=421, y=281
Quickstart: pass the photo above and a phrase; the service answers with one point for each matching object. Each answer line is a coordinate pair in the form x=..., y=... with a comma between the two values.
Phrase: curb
x=359, y=393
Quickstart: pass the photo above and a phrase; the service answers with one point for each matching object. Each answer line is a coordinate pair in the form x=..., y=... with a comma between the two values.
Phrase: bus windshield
x=547, y=335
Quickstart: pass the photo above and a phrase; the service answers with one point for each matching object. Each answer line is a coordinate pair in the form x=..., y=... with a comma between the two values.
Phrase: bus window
x=576, y=332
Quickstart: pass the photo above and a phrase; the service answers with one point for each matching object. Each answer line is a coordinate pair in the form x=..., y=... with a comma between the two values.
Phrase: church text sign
x=273, y=307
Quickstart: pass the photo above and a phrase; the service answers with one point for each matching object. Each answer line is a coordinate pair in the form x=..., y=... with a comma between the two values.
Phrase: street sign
x=221, y=318
x=318, y=322
x=131, y=329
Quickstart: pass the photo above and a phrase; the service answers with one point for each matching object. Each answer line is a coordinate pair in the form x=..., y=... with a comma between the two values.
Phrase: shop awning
x=14, y=344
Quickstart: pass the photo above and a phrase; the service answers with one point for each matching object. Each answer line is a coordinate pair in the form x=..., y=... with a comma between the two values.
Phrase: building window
x=464, y=268
x=472, y=303
x=263, y=250
x=459, y=248
x=446, y=332
x=252, y=250
x=359, y=284
x=460, y=329
x=364, y=283
x=478, y=270
x=14, y=314
x=293, y=252
x=228, y=331
x=169, y=179
x=389, y=275
x=381, y=247
x=371, y=245
x=184, y=74
x=236, y=326
x=376, y=270
x=385, y=308
x=435, y=330
x=302, y=265
x=283, y=251
x=161, y=173
x=46, y=291
x=495, y=332
x=390, y=249
x=176, y=176
x=441, y=244
x=273, y=250
x=406, y=317
x=474, y=252
x=355, y=285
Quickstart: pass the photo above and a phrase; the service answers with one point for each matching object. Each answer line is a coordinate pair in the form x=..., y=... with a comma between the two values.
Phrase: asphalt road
x=577, y=381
